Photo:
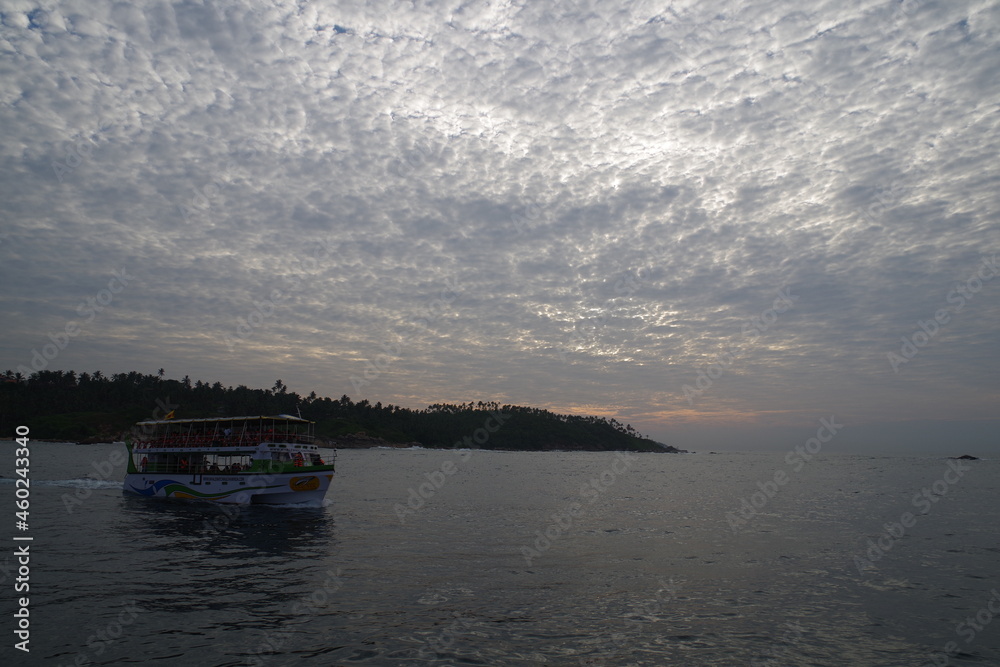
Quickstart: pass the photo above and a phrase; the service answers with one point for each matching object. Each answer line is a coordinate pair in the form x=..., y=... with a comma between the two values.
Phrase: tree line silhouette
x=64, y=405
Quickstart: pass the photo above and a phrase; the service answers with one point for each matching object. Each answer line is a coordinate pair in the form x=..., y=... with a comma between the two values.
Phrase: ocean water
x=425, y=557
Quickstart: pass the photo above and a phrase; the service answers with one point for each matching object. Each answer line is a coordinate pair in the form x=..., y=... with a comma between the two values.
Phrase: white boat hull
x=251, y=488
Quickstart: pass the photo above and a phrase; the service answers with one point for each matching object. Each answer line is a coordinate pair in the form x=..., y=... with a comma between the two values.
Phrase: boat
x=243, y=460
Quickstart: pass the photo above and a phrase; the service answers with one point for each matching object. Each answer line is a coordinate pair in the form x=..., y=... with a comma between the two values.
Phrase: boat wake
x=325, y=502
x=81, y=483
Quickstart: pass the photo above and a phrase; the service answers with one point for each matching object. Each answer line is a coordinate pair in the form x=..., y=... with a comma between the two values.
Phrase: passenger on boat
x=142, y=465
x=184, y=465
x=298, y=460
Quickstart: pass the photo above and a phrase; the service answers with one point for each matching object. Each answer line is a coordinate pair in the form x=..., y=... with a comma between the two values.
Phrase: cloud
x=628, y=185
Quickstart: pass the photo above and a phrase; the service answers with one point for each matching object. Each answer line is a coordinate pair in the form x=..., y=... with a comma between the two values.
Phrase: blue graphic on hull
x=154, y=487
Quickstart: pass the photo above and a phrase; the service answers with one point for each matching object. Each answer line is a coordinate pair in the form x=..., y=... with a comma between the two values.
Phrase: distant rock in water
x=965, y=457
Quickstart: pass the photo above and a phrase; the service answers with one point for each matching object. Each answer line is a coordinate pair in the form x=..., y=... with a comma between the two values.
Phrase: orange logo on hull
x=303, y=483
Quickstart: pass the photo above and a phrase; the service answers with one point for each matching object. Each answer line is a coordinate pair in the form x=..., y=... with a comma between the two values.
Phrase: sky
x=714, y=220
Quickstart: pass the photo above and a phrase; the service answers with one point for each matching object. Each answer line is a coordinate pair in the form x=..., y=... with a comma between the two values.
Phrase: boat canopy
x=286, y=418
x=224, y=431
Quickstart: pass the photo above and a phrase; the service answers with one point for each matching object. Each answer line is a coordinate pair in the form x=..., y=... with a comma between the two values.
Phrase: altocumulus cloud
x=359, y=158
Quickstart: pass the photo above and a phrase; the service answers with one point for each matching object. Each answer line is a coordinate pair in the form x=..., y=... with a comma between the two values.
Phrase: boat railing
x=204, y=441
x=189, y=469
x=159, y=467
x=223, y=462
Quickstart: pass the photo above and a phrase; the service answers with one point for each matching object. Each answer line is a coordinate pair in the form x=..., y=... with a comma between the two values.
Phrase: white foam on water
x=82, y=483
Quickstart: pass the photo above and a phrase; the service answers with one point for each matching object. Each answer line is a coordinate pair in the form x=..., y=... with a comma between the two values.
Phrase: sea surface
x=430, y=557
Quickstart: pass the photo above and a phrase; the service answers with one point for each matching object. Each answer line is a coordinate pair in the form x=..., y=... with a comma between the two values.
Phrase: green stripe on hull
x=181, y=491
